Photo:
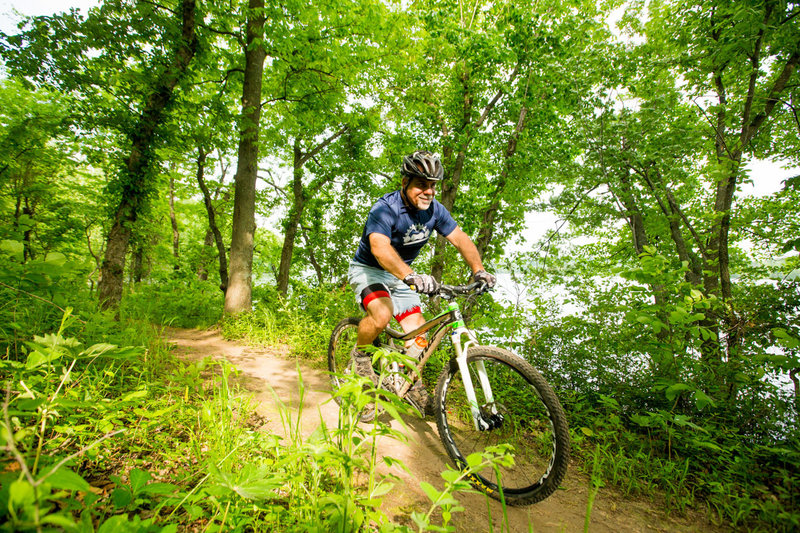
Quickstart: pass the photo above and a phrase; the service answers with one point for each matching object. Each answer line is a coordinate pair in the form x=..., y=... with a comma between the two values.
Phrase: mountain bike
x=485, y=396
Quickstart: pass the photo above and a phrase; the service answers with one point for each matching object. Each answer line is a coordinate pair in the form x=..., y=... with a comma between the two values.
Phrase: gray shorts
x=370, y=283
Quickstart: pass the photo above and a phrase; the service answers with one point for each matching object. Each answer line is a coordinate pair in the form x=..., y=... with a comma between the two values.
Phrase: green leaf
x=121, y=497
x=381, y=489
x=419, y=520
x=13, y=248
x=66, y=479
x=396, y=462
x=20, y=494
x=37, y=358
x=55, y=258
x=703, y=400
x=258, y=489
x=134, y=395
x=786, y=339
x=451, y=476
x=474, y=459
x=673, y=391
x=430, y=491
x=97, y=349
x=644, y=421
x=707, y=445
x=118, y=524
x=62, y=521
x=138, y=479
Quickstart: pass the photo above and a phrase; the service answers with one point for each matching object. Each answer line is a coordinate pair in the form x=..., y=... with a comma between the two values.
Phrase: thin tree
x=138, y=166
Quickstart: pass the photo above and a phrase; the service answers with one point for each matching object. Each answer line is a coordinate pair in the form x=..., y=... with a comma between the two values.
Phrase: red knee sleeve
x=410, y=312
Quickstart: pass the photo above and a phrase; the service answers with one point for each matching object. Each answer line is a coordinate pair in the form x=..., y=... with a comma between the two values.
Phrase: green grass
x=105, y=437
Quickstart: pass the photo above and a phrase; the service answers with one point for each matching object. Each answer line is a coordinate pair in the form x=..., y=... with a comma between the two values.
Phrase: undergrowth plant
x=303, y=322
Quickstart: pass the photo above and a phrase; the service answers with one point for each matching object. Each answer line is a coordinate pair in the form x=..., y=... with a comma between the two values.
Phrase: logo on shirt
x=417, y=233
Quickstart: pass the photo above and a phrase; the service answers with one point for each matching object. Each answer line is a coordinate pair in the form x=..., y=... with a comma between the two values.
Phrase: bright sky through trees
x=9, y=19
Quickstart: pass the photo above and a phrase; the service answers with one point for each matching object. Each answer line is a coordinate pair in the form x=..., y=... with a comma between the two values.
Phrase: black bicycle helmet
x=423, y=164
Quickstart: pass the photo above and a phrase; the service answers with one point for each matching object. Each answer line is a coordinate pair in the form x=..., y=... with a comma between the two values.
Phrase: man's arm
x=466, y=248
x=387, y=256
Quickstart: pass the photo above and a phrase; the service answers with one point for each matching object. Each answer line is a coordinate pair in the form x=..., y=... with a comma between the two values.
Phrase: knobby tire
x=343, y=340
x=533, y=423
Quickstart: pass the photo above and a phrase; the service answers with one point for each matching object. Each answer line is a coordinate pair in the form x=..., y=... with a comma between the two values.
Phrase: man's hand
x=422, y=283
x=484, y=277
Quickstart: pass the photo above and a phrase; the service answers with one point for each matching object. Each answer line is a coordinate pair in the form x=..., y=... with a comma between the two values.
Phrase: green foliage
x=679, y=383
x=102, y=437
x=181, y=303
x=304, y=322
x=34, y=292
x=650, y=411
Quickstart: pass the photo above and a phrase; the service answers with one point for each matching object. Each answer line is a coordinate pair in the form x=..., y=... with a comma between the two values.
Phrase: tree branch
x=493, y=101
x=308, y=155
x=772, y=99
x=274, y=185
x=755, y=60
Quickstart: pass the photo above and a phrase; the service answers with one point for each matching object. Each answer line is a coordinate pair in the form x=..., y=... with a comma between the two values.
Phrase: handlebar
x=450, y=291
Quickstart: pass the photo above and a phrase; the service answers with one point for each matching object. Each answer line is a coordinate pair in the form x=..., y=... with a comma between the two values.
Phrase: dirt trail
x=268, y=369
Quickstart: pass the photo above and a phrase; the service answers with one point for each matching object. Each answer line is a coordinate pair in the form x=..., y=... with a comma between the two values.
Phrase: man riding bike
x=398, y=226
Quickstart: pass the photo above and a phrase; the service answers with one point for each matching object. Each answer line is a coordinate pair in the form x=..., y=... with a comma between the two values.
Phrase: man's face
x=420, y=192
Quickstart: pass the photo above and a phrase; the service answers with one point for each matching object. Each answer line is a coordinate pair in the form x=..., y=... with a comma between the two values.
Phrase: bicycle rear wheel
x=340, y=347
x=532, y=421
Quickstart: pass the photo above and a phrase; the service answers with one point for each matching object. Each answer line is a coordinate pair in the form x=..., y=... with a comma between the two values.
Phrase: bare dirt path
x=264, y=370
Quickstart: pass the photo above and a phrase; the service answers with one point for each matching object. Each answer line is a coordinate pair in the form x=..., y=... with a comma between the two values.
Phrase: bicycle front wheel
x=524, y=412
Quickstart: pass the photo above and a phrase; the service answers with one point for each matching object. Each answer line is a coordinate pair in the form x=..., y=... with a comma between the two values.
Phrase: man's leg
x=378, y=305
x=379, y=313
x=412, y=321
x=417, y=395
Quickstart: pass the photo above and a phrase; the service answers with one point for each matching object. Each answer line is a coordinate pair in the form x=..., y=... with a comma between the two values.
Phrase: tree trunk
x=27, y=251
x=466, y=132
x=486, y=231
x=213, y=230
x=138, y=264
x=300, y=195
x=202, y=271
x=137, y=167
x=313, y=260
x=239, y=296
x=174, y=221
x=448, y=199
x=293, y=222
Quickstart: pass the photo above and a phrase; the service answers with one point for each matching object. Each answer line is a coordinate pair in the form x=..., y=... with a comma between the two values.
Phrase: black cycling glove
x=422, y=283
x=484, y=277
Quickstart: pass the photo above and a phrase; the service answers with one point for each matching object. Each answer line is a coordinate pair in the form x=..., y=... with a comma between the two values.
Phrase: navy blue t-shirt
x=407, y=228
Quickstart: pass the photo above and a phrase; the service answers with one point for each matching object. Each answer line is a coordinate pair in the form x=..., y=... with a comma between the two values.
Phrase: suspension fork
x=462, y=350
